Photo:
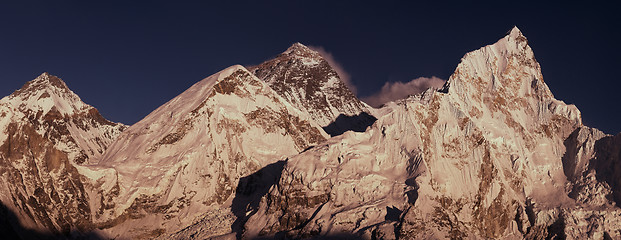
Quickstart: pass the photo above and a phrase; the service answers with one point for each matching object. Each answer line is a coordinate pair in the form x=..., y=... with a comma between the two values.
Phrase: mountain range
x=285, y=150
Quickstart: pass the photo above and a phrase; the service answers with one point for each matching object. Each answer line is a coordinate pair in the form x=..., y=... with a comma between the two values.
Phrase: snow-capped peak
x=51, y=135
x=48, y=80
x=44, y=93
x=303, y=77
x=505, y=73
x=302, y=51
x=505, y=57
x=515, y=33
x=229, y=70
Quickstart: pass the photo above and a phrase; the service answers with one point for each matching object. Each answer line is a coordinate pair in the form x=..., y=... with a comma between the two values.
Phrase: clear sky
x=127, y=58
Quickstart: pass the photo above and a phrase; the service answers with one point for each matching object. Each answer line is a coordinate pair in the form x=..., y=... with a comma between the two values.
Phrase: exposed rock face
x=592, y=164
x=183, y=161
x=480, y=158
x=306, y=80
x=47, y=132
x=607, y=165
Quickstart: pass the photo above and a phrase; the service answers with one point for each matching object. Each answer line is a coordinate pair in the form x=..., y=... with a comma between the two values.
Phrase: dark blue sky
x=127, y=58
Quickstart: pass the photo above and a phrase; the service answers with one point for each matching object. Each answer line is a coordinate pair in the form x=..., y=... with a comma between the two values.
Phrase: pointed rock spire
x=300, y=50
x=515, y=35
x=515, y=32
x=43, y=82
x=46, y=78
x=44, y=93
x=305, y=79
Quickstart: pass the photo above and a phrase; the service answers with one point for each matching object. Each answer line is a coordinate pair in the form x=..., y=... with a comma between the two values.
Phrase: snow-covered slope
x=309, y=83
x=48, y=99
x=183, y=161
x=480, y=158
x=46, y=134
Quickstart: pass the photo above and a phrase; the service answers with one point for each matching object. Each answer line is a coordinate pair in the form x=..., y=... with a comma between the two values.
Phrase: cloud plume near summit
x=392, y=91
x=343, y=75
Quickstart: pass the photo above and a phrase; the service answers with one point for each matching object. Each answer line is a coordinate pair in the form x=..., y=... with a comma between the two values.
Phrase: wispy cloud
x=345, y=77
x=392, y=91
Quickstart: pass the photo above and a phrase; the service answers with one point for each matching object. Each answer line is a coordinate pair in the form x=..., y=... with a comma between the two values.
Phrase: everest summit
x=307, y=81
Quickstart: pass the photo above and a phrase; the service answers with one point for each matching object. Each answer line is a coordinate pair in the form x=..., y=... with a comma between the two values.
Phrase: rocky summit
x=285, y=150
x=306, y=80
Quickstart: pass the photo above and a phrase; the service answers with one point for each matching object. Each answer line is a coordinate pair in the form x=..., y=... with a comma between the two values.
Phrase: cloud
x=345, y=77
x=392, y=91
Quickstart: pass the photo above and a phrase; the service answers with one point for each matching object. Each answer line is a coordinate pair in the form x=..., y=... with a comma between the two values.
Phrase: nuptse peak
x=247, y=153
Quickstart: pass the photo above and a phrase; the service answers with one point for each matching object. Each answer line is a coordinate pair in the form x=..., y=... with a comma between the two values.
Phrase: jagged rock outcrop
x=305, y=79
x=46, y=134
x=480, y=158
x=182, y=162
x=592, y=164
